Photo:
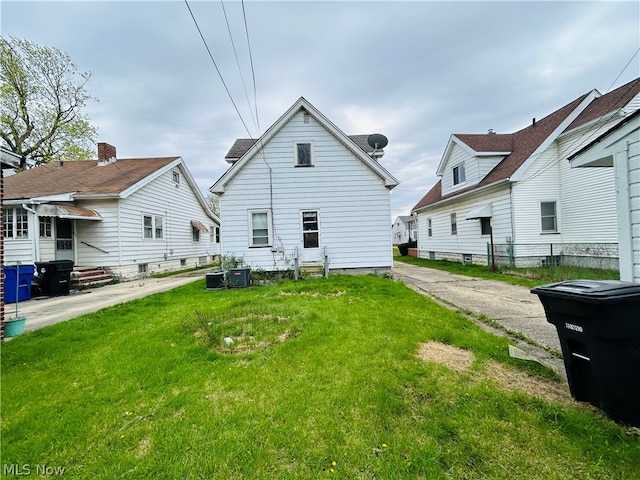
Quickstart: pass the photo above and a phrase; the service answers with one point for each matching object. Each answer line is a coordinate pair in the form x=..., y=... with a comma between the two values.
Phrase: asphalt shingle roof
x=523, y=143
x=82, y=176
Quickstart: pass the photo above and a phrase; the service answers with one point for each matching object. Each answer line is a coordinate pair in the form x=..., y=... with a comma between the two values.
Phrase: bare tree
x=41, y=99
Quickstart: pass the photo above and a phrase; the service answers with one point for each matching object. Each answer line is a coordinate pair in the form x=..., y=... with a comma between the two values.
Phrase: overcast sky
x=416, y=72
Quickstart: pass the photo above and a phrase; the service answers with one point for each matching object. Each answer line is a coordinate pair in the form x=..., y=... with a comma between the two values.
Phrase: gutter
x=463, y=195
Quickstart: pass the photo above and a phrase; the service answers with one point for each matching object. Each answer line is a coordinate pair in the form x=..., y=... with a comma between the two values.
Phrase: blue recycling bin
x=17, y=283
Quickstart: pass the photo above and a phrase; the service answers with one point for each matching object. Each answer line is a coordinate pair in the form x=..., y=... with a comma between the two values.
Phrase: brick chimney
x=106, y=151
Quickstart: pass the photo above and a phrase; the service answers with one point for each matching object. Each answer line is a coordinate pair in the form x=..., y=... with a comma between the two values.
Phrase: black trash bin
x=55, y=277
x=598, y=325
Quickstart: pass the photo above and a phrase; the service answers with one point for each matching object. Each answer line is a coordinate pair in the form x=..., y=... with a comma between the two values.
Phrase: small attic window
x=304, y=154
x=176, y=177
x=458, y=174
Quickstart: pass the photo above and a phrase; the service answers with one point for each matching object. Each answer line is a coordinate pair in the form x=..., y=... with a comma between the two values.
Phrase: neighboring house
x=8, y=159
x=403, y=229
x=619, y=148
x=514, y=195
x=131, y=217
x=305, y=194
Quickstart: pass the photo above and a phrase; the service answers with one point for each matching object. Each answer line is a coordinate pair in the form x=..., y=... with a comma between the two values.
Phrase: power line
x=235, y=53
x=253, y=73
x=216, y=66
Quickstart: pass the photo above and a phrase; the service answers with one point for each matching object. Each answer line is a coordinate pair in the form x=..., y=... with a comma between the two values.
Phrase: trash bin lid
x=594, y=291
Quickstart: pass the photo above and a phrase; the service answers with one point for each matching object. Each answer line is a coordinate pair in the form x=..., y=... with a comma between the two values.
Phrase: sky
x=416, y=72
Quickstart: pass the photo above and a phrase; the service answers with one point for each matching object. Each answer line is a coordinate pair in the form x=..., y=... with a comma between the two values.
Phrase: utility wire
x=216, y=66
x=597, y=123
x=235, y=53
x=253, y=72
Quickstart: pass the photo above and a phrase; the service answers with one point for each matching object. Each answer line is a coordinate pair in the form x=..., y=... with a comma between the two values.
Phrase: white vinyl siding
x=634, y=201
x=469, y=239
x=354, y=202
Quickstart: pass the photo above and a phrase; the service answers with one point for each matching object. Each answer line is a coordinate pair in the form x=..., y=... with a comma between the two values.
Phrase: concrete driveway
x=42, y=311
x=511, y=307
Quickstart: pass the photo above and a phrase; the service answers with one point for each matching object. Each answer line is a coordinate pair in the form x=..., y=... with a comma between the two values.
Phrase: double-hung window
x=548, y=217
x=260, y=228
x=454, y=224
x=429, y=227
x=152, y=226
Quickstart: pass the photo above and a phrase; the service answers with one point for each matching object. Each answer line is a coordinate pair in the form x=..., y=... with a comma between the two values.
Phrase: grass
x=323, y=380
x=526, y=277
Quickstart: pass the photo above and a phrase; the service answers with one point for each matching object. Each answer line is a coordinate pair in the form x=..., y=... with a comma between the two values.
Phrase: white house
x=513, y=197
x=619, y=148
x=132, y=217
x=403, y=229
x=306, y=195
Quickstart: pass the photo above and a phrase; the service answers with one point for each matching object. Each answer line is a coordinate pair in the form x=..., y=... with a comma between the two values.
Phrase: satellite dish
x=377, y=141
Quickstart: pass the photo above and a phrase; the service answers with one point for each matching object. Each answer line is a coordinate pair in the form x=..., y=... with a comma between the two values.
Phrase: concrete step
x=312, y=269
x=85, y=277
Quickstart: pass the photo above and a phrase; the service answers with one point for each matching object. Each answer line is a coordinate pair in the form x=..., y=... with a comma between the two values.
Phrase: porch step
x=90, y=277
x=312, y=269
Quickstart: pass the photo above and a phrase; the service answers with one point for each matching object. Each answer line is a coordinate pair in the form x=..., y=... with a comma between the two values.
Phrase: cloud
x=416, y=72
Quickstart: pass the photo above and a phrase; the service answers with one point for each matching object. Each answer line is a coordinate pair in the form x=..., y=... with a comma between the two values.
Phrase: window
x=260, y=228
x=485, y=226
x=176, y=177
x=22, y=223
x=215, y=234
x=147, y=225
x=152, y=226
x=304, y=156
x=15, y=222
x=458, y=174
x=143, y=268
x=195, y=234
x=45, y=227
x=310, y=230
x=429, y=228
x=454, y=224
x=549, y=218
x=7, y=222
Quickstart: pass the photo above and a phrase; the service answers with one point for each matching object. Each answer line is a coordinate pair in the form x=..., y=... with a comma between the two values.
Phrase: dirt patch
x=452, y=357
x=507, y=378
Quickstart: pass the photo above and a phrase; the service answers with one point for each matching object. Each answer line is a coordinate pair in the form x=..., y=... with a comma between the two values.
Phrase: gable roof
x=247, y=148
x=521, y=145
x=85, y=178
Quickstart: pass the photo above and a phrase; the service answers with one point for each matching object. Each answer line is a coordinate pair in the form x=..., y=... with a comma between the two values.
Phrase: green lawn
x=526, y=277
x=325, y=378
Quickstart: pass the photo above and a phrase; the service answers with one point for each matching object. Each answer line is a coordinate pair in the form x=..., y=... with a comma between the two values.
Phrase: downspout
x=36, y=236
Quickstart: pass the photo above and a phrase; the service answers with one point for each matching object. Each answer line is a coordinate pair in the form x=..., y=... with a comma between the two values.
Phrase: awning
x=68, y=212
x=483, y=211
x=199, y=226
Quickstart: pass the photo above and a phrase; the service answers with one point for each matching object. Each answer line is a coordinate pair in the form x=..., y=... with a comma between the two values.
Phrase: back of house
x=306, y=195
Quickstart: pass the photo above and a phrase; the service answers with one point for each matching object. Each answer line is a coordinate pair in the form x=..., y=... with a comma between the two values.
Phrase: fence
x=591, y=255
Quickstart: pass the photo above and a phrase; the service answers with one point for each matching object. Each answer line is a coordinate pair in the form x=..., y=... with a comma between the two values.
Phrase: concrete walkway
x=513, y=308
x=42, y=311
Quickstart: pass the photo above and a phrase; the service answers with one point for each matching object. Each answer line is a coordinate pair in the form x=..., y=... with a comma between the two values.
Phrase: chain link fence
x=590, y=255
